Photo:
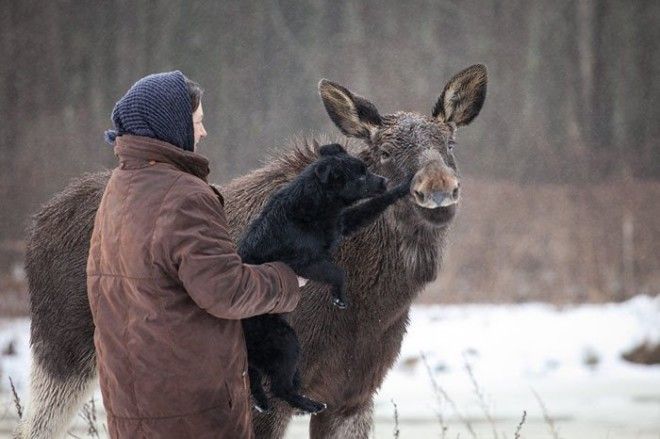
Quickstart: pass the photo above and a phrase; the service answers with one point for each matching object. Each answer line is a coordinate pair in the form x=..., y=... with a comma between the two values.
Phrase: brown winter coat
x=167, y=290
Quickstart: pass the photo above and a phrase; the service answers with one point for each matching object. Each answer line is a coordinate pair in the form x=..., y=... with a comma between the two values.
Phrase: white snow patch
x=570, y=356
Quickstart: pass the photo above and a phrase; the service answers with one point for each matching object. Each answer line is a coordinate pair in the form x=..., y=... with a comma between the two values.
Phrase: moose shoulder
x=345, y=355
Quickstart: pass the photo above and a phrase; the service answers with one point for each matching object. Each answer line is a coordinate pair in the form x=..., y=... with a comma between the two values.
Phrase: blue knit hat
x=157, y=106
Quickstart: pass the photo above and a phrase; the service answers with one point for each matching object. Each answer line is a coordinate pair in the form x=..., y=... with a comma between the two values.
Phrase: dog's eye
x=451, y=144
x=384, y=155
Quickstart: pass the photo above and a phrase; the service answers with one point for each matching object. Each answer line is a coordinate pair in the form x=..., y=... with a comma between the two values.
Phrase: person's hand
x=302, y=281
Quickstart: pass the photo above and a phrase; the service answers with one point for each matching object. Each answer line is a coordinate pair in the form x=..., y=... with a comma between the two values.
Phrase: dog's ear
x=323, y=172
x=331, y=149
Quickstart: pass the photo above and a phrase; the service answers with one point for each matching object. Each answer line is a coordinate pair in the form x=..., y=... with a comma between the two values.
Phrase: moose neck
x=420, y=245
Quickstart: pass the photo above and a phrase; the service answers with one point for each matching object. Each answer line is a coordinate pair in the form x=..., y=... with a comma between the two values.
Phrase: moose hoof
x=339, y=303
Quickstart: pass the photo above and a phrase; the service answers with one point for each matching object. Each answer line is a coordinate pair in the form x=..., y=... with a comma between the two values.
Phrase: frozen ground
x=570, y=357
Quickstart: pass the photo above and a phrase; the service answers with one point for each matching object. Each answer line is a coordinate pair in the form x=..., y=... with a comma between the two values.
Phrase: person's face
x=198, y=126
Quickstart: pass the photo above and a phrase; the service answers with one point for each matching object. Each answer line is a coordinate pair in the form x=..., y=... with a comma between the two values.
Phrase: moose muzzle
x=435, y=185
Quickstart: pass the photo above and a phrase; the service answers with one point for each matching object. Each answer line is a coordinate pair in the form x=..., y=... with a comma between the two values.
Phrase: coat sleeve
x=192, y=242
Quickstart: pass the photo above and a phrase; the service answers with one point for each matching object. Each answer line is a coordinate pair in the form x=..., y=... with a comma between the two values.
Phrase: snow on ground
x=571, y=358
x=14, y=336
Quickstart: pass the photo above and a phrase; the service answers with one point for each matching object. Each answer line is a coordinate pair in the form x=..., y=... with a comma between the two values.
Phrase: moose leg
x=354, y=424
x=363, y=214
x=272, y=425
x=327, y=272
x=54, y=401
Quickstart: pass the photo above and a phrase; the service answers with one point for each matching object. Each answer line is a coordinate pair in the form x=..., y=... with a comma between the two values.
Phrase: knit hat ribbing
x=156, y=106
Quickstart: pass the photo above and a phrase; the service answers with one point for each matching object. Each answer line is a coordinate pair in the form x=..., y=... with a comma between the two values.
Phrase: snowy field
x=489, y=364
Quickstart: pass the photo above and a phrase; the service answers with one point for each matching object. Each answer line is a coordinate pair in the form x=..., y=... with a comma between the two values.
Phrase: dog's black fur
x=301, y=225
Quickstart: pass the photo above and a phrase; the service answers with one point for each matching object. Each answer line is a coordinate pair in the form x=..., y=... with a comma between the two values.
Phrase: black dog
x=301, y=225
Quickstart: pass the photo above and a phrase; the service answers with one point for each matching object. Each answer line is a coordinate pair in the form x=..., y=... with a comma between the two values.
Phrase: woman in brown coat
x=166, y=287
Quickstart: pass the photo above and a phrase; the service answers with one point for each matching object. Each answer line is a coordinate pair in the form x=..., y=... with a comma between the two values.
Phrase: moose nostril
x=454, y=194
x=419, y=195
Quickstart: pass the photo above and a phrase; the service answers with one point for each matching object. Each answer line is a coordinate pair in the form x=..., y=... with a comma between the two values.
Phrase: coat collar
x=145, y=149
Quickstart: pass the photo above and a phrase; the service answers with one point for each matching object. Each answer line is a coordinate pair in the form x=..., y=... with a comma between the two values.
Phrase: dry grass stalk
x=17, y=400
x=481, y=398
x=88, y=413
x=548, y=420
x=516, y=435
x=441, y=395
x=396, y=420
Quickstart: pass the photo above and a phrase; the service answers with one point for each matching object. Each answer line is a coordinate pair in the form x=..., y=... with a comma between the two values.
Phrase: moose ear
x=331, y=149
x=354, y=115
x=463, y=96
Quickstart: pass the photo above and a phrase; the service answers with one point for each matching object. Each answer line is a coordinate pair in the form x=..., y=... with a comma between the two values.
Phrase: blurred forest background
x=561, y=169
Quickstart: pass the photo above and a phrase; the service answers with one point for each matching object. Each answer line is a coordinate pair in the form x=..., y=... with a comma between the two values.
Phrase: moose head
x=404, y=143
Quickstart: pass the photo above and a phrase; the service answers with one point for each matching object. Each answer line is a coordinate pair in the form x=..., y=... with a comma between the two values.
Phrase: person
x=166, y=287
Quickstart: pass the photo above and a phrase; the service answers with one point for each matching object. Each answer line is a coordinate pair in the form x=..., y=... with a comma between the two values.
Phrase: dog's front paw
x=403, y=189
x=339, y=303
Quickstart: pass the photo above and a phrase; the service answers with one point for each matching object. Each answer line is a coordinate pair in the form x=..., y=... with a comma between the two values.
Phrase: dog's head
x=345, y=175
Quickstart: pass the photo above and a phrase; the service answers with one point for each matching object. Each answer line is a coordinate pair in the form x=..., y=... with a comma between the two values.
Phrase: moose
x=344, y=355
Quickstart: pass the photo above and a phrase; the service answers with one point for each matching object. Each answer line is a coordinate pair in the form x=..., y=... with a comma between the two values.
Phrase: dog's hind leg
x=257, y=390
x=54, y=401
x=285, y=384
x=285, y=391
